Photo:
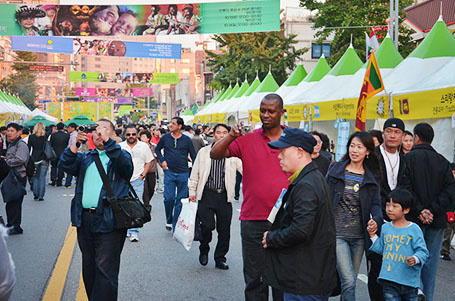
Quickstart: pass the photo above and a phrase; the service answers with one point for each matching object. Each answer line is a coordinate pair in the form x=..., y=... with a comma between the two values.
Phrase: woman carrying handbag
x=37, y=143
x=353, y=182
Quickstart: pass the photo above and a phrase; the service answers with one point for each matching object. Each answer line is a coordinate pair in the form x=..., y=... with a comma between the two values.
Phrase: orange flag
x=372, y=85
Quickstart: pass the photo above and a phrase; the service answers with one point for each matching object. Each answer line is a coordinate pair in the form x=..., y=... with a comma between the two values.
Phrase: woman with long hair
x=36, y=143
x=354, y=182
x=408, y=142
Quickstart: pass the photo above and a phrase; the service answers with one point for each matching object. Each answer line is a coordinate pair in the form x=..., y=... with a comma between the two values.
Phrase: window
x=172, y=70
x=186, y=70
x=186, y=61
x=172, y=61
x=318, y=50
x=98, y=59
x=97, y=66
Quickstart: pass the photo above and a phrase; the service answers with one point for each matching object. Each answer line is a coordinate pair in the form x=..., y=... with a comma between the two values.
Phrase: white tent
x=38, y=112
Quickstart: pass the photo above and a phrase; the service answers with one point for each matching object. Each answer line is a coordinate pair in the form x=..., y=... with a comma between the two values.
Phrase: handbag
x=129, y=212
x=184, y=229
x=49, y=152
x=12, y=189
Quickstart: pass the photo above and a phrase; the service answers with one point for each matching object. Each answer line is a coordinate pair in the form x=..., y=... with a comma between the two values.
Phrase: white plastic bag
x=184, y=230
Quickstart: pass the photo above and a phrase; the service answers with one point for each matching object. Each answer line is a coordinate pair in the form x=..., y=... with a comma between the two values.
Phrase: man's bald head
x=273, y=98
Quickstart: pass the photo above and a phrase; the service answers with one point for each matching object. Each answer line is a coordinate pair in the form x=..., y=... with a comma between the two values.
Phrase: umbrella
x=37, y=119
x=80, y=120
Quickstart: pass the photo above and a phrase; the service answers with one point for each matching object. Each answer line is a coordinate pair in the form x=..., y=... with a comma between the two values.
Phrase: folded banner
x=125, y=77
x=82, y=46
x=122, y=20
x=114, y=92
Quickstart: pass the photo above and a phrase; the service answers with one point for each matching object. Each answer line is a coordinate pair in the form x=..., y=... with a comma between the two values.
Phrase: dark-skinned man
x=263, y=182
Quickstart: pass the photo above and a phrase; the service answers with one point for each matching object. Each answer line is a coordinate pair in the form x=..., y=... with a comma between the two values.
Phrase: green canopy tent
x=37, y=119
x=80, y=120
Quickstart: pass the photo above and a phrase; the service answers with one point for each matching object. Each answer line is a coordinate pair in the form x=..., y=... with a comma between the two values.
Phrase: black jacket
x=36, y=144
x=432, y=183
x=59, y=141
x=301, y=254
x=370, y=200
x=402, y=180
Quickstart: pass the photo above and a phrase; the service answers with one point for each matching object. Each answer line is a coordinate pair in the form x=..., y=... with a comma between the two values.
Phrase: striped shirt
x=216, y=176
x=348, y=213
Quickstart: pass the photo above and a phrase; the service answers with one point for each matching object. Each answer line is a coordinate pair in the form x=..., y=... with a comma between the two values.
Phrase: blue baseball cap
x=295, y=137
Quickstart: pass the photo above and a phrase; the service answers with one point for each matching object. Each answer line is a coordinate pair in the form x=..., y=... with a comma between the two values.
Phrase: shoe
x=15, y=231
x=236, y=198
x=169, y=227
x=203, y=259
x=222, y=265
x=35, y=197
x=128, y=234
x=160, y=191
x=134, y=238
x=421, y=297
x=40, y=199
x=445, y=257
x=68, y=187
x=59, y=185
x=52, y=183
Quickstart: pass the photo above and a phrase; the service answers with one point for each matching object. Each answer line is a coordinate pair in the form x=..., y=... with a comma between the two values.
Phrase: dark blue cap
x=295, y=137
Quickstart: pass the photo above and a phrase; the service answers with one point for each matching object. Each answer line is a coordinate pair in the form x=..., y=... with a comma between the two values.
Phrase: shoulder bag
x=48, y=151
x=129, y=212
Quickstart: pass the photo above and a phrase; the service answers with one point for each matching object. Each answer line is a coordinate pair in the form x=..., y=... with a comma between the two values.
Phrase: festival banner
x=122, y=100
x=82, y=46
x=125, y=20
x=142, y=92
x=120, y=110
x=105, y=92
x=42, y=68
x=125, y=77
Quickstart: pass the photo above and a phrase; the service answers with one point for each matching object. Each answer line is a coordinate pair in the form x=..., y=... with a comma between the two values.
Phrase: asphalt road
x=155, y=268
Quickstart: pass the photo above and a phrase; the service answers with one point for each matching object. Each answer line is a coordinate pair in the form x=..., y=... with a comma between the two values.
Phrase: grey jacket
x=17, y=155
x=7, y=277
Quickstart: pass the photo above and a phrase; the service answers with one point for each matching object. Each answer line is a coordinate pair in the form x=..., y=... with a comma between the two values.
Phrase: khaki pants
x=448, y=235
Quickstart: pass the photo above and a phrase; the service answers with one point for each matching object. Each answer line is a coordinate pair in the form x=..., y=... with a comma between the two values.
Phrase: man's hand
x=103, y=133
x=411, y=261
x=164, y=165
x=264, y=240
x=236, y=130
x=193, y=198
x=426, y=216
x=372, y=227
x=81, y=137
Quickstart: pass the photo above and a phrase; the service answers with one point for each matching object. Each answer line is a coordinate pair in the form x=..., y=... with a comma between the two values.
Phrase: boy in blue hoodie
x=403, y=248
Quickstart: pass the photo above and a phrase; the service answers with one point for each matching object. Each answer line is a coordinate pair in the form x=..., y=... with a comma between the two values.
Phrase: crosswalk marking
x=56, y=284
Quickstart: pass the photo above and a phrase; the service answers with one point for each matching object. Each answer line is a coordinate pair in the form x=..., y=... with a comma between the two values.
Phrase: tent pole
x=391, y=115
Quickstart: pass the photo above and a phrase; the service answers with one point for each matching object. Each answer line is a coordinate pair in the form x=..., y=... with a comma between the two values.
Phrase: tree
x=22, y=82
x=248, y=53
x=346, y=13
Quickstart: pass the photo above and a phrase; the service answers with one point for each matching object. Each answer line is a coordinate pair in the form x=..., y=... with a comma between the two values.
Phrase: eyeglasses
x=130, y=134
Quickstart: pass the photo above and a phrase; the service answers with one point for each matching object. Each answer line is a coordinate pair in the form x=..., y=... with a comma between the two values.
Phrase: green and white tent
x=226, y=105
x=293, y=80
x=238, y=101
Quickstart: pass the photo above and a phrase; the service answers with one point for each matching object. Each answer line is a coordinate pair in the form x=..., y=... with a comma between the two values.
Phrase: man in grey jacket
x=17, y=156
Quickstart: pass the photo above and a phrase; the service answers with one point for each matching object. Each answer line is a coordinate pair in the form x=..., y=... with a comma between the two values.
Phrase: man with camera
x=101, y=245
x=73, y=134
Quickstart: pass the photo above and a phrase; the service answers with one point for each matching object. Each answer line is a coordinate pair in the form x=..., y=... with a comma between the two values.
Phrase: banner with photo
x=124, y=77
x=83, y=46
x=114, y=92
x=125, y=20
x=117, y=100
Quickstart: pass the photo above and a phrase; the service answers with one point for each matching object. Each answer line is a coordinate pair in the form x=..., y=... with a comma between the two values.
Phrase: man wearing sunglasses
x=176, y=148
x=142, y=159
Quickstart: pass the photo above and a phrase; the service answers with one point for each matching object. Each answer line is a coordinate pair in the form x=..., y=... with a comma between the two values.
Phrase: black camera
x=87, y=128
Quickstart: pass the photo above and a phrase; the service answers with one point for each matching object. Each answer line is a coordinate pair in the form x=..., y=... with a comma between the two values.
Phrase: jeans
x=100, y=259
x=68, y=180
x=160, y=177
x=349, y=257
x=213, y=205
x=293, y=297
x=57, y=173
x=138, y=186
x=253, y=255
x=172, y=201
x=14, y=210
x=39, y=179
x=397, y=292
x=433, y=239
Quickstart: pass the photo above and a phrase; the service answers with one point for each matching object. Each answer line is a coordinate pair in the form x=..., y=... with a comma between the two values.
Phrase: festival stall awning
x=253, y=102
x=294, y=79
x=234, y=109
x=224, y=108
x=38, y=112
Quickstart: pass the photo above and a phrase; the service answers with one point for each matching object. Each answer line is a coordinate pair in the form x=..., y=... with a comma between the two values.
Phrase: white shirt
x=392, y=177
x=141, y=155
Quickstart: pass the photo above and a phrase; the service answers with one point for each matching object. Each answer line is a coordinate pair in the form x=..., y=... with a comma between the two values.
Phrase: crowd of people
x=306, y=221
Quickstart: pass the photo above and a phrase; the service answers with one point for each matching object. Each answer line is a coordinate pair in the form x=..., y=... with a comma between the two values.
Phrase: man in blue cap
x=300, y=246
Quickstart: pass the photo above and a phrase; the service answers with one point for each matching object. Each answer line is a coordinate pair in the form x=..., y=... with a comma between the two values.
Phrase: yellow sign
x=297, y=113
x=54, y=109
x=427, y=104
x=253, y=116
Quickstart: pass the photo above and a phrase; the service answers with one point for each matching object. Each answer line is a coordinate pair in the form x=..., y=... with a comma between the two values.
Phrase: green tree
x=346, y=13
x=22, y=81
x=248, y=53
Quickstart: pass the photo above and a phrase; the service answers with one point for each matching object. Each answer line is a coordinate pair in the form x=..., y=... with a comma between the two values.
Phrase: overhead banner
x=114, y=92
x=41, y=68
x=116, y=100
x=93, y=111
x=81, y=46
x=125, y=20
x=125, y=77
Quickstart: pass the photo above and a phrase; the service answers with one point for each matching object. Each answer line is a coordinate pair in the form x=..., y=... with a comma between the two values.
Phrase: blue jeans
x=292, y=297
x=172, y=201
x=39, y=179
x=433, y=239
x=397, y=292
x=349, y=257
x=138, y=186
x=68, y=180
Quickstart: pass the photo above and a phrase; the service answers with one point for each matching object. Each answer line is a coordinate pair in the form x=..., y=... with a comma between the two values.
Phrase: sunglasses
x=130, y=134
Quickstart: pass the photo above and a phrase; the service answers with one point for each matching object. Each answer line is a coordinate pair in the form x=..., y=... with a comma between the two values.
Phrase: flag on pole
x=371, y=42
x=372, y=84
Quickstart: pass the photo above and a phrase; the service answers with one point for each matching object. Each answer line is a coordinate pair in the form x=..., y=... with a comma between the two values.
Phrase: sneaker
x=169, y=227
x=160, y=191
x=445, y=257
x=35, y=197
x=128, y=234
x=52, y=183
x=134, y=238
x=67, y=187
x=40, y=199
